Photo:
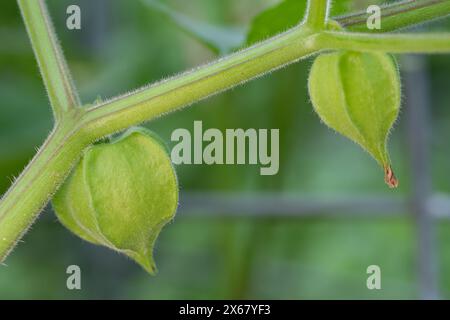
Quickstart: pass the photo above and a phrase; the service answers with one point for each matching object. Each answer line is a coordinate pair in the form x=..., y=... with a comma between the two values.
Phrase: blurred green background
x=126, y=44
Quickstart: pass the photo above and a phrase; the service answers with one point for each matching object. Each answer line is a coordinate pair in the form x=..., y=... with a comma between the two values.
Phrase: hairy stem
x=152, y=101
x=40, y=179
x=55, y=73
x=399, y=15
x=32, y=190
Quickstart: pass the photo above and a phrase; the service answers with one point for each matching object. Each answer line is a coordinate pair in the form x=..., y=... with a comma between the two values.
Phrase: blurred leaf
x=284, y=16
x=275, y=20
x=220, y=39
x=342, y=7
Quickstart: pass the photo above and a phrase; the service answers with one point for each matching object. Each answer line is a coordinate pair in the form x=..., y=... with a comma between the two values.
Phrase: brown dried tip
x=389, y=177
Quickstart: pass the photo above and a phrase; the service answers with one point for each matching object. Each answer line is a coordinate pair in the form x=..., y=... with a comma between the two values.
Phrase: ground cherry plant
x=120, y=192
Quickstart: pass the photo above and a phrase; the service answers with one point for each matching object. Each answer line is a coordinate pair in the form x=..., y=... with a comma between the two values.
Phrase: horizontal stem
x=48, y=52
x=399, y=15
x=155, y=100
x=393, y=43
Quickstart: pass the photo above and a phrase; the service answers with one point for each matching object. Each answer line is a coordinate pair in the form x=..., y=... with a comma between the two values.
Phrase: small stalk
x=317, y=14
x=392, y=43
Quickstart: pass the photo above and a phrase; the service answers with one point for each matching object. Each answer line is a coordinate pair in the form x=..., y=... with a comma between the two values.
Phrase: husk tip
x=389, y=177
x=146, y=262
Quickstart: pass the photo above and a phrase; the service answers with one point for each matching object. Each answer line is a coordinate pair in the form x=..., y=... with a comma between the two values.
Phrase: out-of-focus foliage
x=283, y=16
x=123, y=45
x=220, y=39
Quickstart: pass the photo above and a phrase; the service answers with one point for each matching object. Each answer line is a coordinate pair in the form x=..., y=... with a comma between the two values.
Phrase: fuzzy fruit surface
x=120, y=195
x=358, y=95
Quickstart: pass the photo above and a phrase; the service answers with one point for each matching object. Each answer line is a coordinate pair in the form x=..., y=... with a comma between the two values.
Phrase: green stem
x=399, y=15
x=393, y=43
x=33, y=188
x=317, y=14
x=155, y=100
x=48, y=52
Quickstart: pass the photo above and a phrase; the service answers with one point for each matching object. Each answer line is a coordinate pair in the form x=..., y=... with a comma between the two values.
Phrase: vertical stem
x=317, y=14
x=418, y=100
x=55, y=73
x=20, y=206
